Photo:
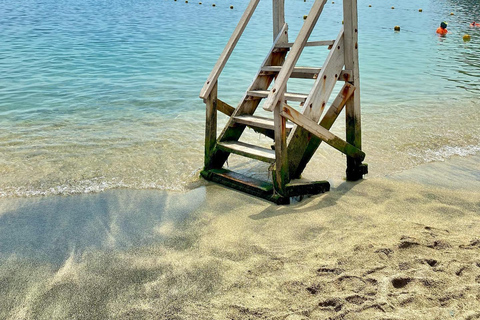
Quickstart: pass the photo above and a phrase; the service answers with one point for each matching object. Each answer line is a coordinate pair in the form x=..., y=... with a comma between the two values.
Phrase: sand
x=401, y=247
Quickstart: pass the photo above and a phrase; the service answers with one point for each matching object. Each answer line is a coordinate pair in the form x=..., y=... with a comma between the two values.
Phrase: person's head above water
x=442, y=30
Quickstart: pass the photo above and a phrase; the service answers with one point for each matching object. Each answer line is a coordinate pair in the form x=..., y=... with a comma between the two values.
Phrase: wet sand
x=401, y=247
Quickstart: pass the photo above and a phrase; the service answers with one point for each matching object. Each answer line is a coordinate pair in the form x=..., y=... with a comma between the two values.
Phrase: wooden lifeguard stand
x=297, y=134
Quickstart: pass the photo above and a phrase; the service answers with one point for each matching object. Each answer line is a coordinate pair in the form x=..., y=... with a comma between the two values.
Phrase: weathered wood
x=264, y=189
x=232, y=131
x=255, y=187
x=224, y=107
x=294, y=189
x=259, y=122
x=292, y=58
x=326, y=80
x=303, y=72
x=355, y=170
x=291, y=156
x=289, y=96
x=227, y=51
x=337, y=106
x=322, y=133
x=309, y=44
x=281, y=177
x=248, y=150
x=301, y=146
x=210, y=125
x=327, y=122
x=278, y=17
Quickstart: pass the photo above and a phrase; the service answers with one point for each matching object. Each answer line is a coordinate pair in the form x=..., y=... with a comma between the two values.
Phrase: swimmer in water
x=442, y=30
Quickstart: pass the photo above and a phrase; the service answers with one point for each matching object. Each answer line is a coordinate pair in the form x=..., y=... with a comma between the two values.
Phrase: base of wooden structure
x=263, y=189
x=356, y=173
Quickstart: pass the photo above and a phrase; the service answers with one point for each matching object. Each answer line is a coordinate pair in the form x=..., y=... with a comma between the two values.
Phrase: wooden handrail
x=292, y=58
x=227, y=51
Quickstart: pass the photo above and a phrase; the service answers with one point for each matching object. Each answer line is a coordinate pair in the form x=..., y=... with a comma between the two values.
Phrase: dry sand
x=405, y=247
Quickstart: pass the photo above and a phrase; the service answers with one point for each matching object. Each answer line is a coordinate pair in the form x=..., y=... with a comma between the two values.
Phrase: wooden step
x=264, y=189
x=259, y=122
x=300, y=72
x=328, y=43
x=288, y=95
x=246, y=184
x=248, y=150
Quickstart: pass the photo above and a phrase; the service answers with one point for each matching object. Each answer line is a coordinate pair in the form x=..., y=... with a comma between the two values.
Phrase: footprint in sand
x=331, y=304
x=329, y=271
x=474, y=244
x=399, y=283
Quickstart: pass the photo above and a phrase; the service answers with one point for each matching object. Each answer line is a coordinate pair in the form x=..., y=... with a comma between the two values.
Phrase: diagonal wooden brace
x=322, y=133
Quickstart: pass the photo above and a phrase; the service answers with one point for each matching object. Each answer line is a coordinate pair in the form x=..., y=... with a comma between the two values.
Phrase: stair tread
x=308, y=44
x=248, y=150
x=296, y=69
x=264, y=189
x=259, y=122
x=301, y=97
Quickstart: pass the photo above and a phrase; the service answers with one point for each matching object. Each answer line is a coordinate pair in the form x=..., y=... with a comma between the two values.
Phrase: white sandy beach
x=404, y=247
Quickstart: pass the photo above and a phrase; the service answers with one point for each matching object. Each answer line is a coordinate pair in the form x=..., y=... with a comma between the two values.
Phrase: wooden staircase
x=297, y=134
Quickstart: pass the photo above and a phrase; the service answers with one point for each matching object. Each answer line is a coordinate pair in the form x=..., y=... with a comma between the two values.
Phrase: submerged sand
x=403, y=247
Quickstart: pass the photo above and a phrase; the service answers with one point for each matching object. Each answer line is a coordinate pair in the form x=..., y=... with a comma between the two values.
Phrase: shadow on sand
x=53, y=228
x=328, y=199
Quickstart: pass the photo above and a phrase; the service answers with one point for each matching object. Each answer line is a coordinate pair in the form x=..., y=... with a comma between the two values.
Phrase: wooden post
x=280, y=177
x=280, y=174
x=355, y=169
x=210, y=126
x=278, y=17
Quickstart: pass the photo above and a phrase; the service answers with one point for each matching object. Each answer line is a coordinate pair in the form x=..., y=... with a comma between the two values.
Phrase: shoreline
x=383, y=248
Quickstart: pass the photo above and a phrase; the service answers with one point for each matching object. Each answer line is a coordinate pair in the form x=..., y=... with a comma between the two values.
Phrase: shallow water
x=98, y=95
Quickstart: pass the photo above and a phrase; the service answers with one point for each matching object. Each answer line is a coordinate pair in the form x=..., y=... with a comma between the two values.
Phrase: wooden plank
x=303, y=72
x=326, y=80
x=264, y=189
x=224, y=107
x=232, y=132
x=337, y=106
x=328, y=137
x=294, y=189
x=292, y=58
x=248, y=150
x=245, y=184
x=210, y=126
x=309, y=44
x=355, y=170
x=278, y=17
x=311, y=142
x=227, y=51
x=280, y=176
x=289, y=96
x=301, y=146
x=259, y=122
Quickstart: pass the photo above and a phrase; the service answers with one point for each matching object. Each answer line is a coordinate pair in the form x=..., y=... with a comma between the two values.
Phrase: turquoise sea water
x=99, y=94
